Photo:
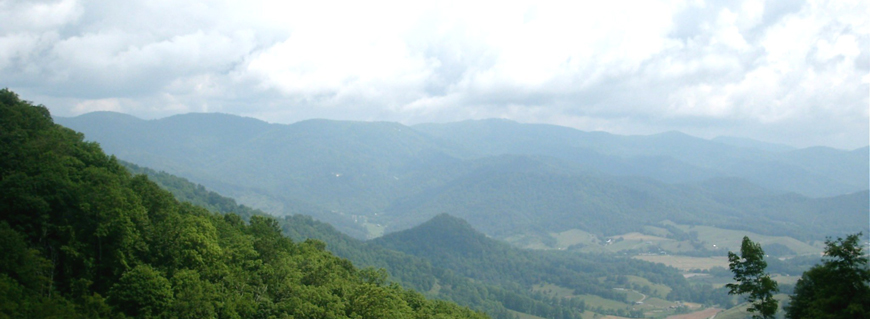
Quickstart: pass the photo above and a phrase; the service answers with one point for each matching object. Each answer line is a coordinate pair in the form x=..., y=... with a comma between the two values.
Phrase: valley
x=434, y=159
x=520, y=221
x=510, y=180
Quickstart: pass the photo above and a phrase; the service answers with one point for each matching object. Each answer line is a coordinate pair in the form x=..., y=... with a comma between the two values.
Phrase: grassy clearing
x=739, y=311
x=573, y=237
x=593, y=301
x=528, y=242
x=656, y=231
x=618, y=246
x=374, y=230
x=658, y=303
x=632, y=295
x=522, y=315
x=730, y=240
x=703, y=314
x=685, y=263
x=676, y=247
x=639, y=237
x=658, y=290
x=436, y=288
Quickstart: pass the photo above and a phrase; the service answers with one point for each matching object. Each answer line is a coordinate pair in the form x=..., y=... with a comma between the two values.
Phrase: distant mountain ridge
x=368, y=177
x=751, y=143
x=670, y=156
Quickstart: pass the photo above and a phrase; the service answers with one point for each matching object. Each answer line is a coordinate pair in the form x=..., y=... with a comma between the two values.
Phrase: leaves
x=751, y=279
x=75, y=226
x=838, y=288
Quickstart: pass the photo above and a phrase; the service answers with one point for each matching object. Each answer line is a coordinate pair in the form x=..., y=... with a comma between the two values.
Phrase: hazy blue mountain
x=519, y=195
x=751, y=143
x=669, y=156
x=330, y=169
x=503, y=177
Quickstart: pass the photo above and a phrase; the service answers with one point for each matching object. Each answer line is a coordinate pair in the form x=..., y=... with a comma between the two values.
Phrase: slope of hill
x=507, y=202
x=452, y=243
x=690, y=158
x=367, y=177
x=82, y=238
x=410, y=271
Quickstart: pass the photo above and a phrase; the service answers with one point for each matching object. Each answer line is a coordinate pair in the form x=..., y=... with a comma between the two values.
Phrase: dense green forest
x=471, y=270
x=84, y=238
x=408, y=270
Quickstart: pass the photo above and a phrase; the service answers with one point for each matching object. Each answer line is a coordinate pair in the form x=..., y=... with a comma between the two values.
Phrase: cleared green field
x=658, y=290
x=658, y=303
x=739, y=312
x=524, y=315
x=596, y=301
x=374, y=230
x=655, y=231
x=730, y=240
x=528, y=242
x=654, y=240
x=676, y=247
x=633, y=296
x=572, y=237
x=686, y=263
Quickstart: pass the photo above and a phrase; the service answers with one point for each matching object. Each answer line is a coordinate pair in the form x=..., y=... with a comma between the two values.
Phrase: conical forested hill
x=83, y=238
x=451, y=243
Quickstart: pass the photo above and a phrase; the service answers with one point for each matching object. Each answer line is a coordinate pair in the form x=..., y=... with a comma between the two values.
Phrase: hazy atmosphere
x=231, y=159
x=792, y=72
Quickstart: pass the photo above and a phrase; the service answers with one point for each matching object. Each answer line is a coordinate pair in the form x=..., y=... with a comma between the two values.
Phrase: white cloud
x=792, y=72
x=88, y=106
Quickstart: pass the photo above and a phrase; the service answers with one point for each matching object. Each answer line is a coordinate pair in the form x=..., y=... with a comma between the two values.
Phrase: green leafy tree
x=751, y=279
x=838, y=288
x=76, y=226
x=142, y=292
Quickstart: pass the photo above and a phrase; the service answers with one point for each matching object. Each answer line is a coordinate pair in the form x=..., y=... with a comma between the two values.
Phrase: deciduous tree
x=751, y=279
x=838, y=288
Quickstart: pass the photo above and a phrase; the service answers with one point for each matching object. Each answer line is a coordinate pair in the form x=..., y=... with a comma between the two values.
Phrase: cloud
x=786, y=71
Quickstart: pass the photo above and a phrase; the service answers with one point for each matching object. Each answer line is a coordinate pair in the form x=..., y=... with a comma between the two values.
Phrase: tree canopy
x=837, y=288
x=751, y=279
x=83, y=238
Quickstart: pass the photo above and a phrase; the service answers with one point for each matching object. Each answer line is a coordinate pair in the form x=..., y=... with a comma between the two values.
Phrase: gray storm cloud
x=783, y=71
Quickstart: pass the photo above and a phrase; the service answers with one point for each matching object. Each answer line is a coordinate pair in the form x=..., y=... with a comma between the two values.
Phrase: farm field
x=727, y=239
x=703, y=314
x=686, y=263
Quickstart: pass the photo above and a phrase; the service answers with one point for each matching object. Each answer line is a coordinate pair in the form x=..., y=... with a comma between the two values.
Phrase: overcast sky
x=794, y=72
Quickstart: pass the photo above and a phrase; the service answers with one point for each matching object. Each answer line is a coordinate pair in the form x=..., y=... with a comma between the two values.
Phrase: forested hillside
x=507, y=179
x=476, y=271
x=83, y=238
x=410, y=271
x=453, y=244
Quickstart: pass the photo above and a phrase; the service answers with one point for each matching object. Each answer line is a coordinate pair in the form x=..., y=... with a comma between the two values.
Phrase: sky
x=793, y=72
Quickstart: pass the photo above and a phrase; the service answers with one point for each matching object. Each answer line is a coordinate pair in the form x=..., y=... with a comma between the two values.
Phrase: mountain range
x=505, y=178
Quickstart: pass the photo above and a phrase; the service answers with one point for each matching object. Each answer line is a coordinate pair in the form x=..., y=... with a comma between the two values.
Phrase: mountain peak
x=443, y=234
